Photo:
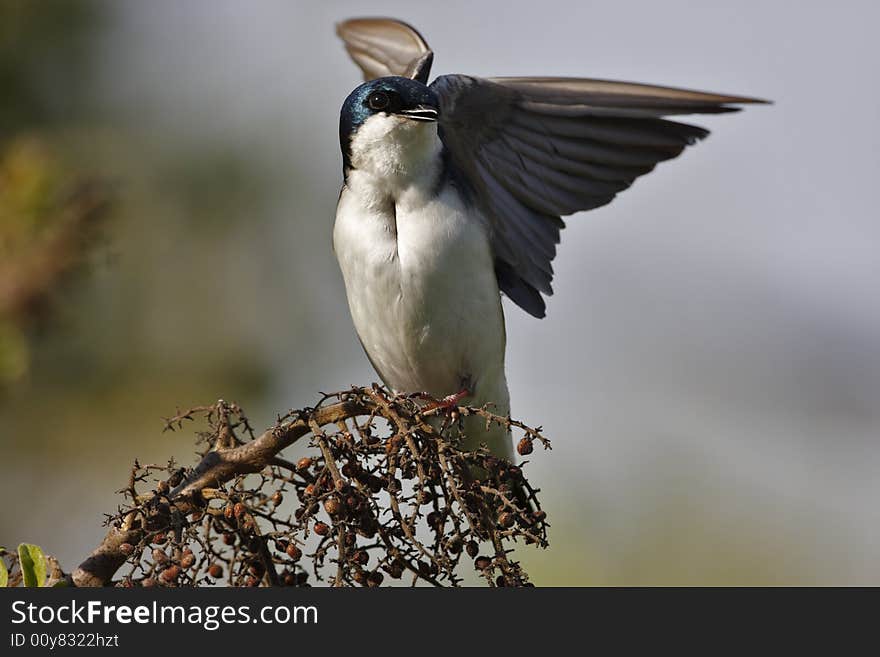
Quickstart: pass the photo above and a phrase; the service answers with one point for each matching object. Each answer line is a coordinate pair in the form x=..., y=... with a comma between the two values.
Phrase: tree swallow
x=453, y=193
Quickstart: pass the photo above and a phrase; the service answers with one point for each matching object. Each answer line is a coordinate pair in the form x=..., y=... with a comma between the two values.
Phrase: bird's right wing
x=384, y=46
x=533, y=149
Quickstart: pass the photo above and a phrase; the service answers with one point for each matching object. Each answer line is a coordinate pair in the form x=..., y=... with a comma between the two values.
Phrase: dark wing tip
x=586, y=95
x=745, y=100
x=519, y=291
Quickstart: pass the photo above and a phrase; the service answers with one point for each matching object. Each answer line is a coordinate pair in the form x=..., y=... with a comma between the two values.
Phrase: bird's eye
x=378, y=100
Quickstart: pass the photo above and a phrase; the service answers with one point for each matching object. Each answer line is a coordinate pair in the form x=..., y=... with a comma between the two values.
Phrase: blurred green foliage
x=45, y=226
x=178, y=203
x=43, y=55
x=28, y=179
x=108, y=320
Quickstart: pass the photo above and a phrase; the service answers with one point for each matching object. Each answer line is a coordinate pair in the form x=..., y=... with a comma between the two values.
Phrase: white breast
x=420, y=281
x=422, y=292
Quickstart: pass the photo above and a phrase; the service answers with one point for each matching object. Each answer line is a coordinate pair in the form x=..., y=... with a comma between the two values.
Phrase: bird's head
x=388, y=126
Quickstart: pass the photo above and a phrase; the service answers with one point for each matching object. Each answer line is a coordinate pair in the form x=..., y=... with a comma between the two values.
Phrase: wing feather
x=534, y=149
x=385, y=46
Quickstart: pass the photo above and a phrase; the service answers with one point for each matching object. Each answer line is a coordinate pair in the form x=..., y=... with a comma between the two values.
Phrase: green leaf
x=33, y=564
x=4, y=575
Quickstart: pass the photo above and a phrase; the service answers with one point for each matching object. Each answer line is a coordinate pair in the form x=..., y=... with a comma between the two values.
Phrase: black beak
x=421, y=113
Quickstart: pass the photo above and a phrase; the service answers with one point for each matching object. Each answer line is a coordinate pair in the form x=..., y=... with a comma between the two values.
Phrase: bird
x=453, y=195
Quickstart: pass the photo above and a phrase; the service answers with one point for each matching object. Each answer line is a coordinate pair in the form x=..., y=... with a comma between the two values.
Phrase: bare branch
x=233, y=525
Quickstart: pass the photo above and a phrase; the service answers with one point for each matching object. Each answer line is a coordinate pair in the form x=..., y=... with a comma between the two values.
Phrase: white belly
x=423, y=295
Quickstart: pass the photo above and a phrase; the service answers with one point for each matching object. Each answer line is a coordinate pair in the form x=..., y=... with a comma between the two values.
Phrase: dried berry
x=304, y=463
x=374, y=579
x=481, y=563
x=435, y=520
x=294, y=552
x=332, y=506
x=238, y=510
x=472, y=549
x=229, y=538
x=171, y=573
x=277, y=498
x=368, y=526
x=187, y=560
x=322, y=529
x=524, y=447
x=215, y=571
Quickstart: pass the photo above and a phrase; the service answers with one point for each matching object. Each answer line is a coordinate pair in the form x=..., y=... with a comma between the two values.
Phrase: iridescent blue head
x=399, y=97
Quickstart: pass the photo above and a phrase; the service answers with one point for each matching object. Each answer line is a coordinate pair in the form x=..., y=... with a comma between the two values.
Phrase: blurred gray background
x=709, y=369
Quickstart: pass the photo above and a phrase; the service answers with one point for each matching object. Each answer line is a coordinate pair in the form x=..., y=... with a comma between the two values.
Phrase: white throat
x=393, y=154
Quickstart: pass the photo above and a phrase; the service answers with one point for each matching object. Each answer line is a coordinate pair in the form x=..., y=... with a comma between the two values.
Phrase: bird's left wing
x=533, y=149
x=385, y=46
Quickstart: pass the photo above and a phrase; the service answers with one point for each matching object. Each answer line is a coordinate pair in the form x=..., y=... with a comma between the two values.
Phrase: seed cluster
x=385, y=494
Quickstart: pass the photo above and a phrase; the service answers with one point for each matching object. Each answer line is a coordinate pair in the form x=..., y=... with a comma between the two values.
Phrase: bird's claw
x=448, y=403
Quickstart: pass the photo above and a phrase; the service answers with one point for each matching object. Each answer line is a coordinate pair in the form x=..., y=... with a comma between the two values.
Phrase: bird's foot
x=447, y=403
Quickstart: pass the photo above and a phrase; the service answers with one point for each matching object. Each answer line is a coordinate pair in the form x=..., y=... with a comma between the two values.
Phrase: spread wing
x=533, y=149
x=384, y=46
